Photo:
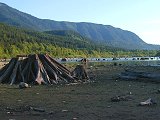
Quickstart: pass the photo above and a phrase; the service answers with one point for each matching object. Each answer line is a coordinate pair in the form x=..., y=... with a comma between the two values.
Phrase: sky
x=139, y=16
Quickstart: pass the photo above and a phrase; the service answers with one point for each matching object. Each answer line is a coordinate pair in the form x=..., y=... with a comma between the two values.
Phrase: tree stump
x=39, y=69
x=80, y=73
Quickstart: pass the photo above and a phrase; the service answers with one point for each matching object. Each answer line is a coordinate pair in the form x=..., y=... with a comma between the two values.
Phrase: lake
x=134, y=61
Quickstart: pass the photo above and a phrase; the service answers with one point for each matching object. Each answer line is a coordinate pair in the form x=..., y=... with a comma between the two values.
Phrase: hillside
x=68, y=33
x=15, y=41
x=104, y=34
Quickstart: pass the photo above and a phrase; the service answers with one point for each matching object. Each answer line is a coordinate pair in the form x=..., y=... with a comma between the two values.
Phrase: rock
x=130, y=93
x=51, y=113
x=74, y=118
x=63, y=101
x=19, y=100
x=64, y=110
x=115, y=64
x=108, y=106
x=23, y=85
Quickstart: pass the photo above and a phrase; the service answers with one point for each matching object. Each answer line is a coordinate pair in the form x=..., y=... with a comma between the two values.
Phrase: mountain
x=67, y=33
x=103, y=34
x=59, y=43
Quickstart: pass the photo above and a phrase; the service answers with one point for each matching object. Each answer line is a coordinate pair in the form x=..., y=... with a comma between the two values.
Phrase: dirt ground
x=2, y=64
x=91, y=101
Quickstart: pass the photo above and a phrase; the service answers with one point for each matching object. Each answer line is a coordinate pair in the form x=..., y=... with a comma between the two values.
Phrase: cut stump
x=80, y=73
x=39, y=69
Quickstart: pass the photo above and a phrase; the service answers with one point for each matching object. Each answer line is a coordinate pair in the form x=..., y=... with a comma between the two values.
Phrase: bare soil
x=2, y=64
x=91, y=101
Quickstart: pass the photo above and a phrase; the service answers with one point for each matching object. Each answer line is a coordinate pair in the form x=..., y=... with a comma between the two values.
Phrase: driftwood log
x=140, y=76
x=148, y=102
x=37, y=69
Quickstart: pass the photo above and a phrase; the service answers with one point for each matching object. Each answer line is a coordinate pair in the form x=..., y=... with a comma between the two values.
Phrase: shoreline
x=83, y=101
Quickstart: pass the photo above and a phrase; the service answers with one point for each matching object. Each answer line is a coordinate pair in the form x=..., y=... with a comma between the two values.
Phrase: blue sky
x=139, y=16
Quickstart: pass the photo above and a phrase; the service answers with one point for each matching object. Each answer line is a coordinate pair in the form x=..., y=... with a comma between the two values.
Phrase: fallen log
x=140, y=76
x=148, y=102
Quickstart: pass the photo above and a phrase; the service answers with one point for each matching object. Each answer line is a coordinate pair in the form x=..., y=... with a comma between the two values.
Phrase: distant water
x=135, y=61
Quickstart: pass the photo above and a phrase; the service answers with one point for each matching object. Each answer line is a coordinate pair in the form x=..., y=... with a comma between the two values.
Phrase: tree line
x=15, y=41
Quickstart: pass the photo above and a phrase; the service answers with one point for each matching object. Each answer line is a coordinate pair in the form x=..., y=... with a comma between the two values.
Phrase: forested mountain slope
x=104, y=34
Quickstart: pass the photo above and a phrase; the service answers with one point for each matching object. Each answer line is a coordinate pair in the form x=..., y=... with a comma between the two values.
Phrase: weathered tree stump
x=39, y=69
x=80, y=73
